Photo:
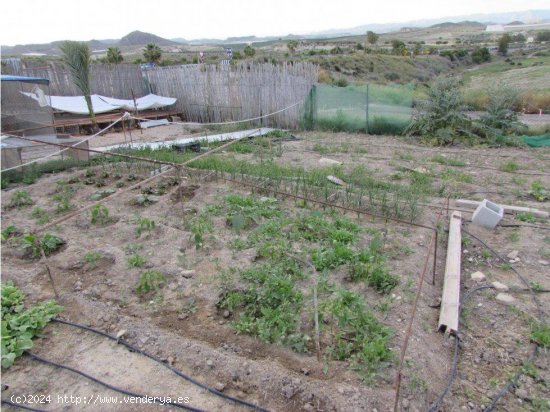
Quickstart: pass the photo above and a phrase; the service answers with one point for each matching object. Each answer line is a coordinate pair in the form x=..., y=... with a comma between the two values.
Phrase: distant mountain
x=139, y=38
x=466, y=23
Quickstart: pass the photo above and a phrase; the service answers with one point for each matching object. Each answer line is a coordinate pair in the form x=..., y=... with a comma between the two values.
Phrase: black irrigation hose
x=108, y=386
x=158, y=360
x=434, y=406
x=21, y=406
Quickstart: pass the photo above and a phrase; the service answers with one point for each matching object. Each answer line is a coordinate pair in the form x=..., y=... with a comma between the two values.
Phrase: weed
x=539, y=192
x=40, y=215
x=540, y=334
x=48, y=244
x=454, y=175
x=514, y=236
x=92, y=259
x=20, y=199
x=200, y=226
x=145, y=225
x=509, y=166
x=417, y=384
x=20, y=325
x=442, y=160
x=136, y=261
x=356, y=333
x=150, y=280
x=526, y=217
x=63, y=202
x=188, y=306
x=99, y=215
x=8, y=231
x=369, y=266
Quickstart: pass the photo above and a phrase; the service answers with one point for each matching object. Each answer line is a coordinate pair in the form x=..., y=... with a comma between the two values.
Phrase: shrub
x=341, y=82
x=150, y=280
x=481, y=55
x=136, y=261
x=500, y=115
x=442, y=116
x=48, y=243
x=92, y=258
x=19, y=326
x=20, y=199
x=99, y=215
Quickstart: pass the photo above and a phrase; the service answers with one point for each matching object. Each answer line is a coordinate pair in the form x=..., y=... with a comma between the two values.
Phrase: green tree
x=481, y=55
x=417, y=49
x=292, y=45
x=398, y=47
x=372, y=38
x=543, y=36
x=76, y=56
x=152, y=53
x=114, y=55
x=249, y=51
x=503, y=43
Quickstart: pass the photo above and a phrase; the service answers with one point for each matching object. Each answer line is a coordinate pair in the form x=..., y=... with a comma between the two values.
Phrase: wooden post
x=450, y=302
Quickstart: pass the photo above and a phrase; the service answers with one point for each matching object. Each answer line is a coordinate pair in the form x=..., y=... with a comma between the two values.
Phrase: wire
x=21, y=406
x=234, y=121
x=153, y=357
x=63, y=150
x=107, y=385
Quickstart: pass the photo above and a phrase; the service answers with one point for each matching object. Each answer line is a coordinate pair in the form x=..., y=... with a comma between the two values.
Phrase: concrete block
x=488, y=214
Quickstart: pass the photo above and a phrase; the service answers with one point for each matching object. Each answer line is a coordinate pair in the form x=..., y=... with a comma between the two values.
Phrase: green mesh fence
x=376, y=109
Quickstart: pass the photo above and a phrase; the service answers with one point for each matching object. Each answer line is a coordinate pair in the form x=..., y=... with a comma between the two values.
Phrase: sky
x=43, y=21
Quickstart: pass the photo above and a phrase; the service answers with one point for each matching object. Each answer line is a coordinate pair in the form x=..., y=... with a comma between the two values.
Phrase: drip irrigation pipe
x=434, y=407
x=188, y=378
x=21, y=406
x=107, y=385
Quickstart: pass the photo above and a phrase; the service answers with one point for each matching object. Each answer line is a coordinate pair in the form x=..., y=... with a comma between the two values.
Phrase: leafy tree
x=543, y=36
x=503, y=43
x=417, y=49
x=481, y=55
x=372, y=38
x=114, y=55
x=398, y=47
x=152, y=53
x=249, y=51
x=518, y=38
x=76, y=56
x=292, y=45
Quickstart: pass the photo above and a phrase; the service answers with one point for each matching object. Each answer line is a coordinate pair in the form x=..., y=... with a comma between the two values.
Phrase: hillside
x=139, y=38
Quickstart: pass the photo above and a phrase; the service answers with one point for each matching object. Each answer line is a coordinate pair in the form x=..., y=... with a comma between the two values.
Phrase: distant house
x=493, y=28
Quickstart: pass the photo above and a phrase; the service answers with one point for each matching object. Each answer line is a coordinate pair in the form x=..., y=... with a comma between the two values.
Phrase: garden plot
x=218, y=278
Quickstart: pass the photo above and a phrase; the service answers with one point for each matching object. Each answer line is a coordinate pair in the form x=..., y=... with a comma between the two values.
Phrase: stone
x=188, y=274
x=121, y=333
x=336, y=181
x=331, y=162
x=219, y=386
x=209, y=363
x=505, y=298
x=499, y=286
x=544, y=262
x=513, y=254
x=405, y=404
x=479, y=276
x=288, y=391
x=226, y=313
x=305, y=371
x=308, y=407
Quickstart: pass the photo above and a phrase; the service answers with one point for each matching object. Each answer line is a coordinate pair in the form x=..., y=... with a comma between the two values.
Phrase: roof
x=24, y=79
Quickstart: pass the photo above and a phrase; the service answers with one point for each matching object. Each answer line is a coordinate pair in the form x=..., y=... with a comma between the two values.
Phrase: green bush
x=150, y=280
x=35, y=245
x=20, y=325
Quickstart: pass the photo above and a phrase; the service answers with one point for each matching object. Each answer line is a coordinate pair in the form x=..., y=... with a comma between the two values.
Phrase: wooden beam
x=472, y=204
x=450, y=302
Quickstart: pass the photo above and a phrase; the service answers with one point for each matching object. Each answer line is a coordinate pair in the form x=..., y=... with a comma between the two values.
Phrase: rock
x=219, y=386
x=513, y=254
x=171, y=360
x=499, y=286
x=330, y=162
x=308, y=407
x=405, y=403
x=209, y=363
x=226, y=313
x=544, y=262
x=121, y=333
x=305, y=371
x=188, y=274
x=78, y=286
x=288, y=391
x=479, y=276
x=505, y=298
x=336, y=181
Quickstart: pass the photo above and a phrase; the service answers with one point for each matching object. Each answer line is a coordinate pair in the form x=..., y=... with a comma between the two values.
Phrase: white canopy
x=101, y=104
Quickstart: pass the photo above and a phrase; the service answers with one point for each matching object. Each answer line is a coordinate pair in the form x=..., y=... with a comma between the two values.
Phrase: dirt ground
x=201, y=343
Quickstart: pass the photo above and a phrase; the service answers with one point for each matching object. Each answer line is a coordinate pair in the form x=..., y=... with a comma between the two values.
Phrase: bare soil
x=202, y=343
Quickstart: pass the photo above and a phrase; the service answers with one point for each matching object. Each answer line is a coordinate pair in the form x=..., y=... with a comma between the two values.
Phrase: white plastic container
x=488, y=214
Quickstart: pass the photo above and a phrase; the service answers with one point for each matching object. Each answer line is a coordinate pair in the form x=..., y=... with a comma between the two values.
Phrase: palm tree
x=76, y=57
x=152, y=53
x=114, y=55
